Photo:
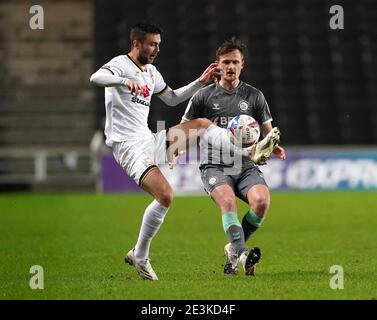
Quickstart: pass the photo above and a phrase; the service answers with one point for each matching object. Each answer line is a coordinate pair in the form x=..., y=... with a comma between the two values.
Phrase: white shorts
x=139, y=157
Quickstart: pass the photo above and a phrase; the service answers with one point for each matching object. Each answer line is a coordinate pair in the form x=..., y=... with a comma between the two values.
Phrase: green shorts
x=214, y=175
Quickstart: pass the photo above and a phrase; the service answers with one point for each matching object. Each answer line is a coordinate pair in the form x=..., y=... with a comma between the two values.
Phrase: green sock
x=234, y=232
x=250, y=223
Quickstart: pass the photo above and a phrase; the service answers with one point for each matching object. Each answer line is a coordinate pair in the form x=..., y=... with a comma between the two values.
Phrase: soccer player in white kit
x=129, y=81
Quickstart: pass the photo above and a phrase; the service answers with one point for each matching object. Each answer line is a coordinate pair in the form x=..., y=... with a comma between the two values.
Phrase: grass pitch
x=80, y=241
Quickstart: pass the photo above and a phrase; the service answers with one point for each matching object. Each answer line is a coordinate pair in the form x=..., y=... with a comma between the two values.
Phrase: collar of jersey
x=229, y=91
x=136, y=64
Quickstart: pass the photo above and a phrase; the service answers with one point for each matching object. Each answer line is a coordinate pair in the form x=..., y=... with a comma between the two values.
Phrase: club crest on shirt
x=212, y=180
x=146, y=91
x=243, y=105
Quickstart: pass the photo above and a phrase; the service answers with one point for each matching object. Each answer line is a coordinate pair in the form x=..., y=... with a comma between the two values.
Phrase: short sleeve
x=160, y=84
x=194, y=107
x=263, y=111
x=116, y=66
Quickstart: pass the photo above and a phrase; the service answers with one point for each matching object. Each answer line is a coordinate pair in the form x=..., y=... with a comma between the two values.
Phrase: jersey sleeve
x=116, y=66
x=194, y=108
x=263, y=111
x=160, y=85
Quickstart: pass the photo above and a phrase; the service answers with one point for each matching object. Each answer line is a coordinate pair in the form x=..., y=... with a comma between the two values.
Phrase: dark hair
x=138, y=31
x=229, y=46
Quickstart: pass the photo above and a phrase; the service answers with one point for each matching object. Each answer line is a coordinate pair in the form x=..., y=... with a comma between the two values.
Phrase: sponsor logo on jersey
x=243, y=105
x=215, y=106
x=140, y=101
x=222, y=121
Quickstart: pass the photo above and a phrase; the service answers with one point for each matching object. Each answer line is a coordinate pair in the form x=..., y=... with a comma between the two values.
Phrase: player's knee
x=228, y=204
x=260, y=204
x=165, y=198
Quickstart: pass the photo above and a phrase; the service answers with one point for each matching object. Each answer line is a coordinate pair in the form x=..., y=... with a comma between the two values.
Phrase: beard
x=144, y=57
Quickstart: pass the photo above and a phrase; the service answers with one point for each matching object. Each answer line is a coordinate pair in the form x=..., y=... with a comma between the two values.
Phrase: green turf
x=80, y=241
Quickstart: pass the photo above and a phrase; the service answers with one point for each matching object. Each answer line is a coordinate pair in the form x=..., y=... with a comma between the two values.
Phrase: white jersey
x=126, y=114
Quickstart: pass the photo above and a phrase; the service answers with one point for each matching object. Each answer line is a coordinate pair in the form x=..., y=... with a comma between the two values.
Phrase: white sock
x=219, y=139
x=153, y=218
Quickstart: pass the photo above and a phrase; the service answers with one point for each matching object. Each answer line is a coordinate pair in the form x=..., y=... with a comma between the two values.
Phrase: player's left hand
x=210, y=74
x=279, y=152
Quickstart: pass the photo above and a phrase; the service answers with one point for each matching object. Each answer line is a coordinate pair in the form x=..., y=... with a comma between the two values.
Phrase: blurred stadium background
x=321, y=84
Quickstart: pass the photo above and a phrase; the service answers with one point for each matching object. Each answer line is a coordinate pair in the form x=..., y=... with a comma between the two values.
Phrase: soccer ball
x=243, y=130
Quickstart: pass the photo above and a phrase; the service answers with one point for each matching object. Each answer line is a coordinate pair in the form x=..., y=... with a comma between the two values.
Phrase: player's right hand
x=136, y=88
x=210, y=74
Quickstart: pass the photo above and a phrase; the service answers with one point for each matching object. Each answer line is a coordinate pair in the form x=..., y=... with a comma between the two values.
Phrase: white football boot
x=230, y=266
x=143, y=266
x=249, y=259
x=260, y=152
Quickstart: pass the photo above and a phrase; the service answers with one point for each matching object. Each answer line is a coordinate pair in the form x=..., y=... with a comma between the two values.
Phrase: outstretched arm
x=105, y=78
x=173, y=97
